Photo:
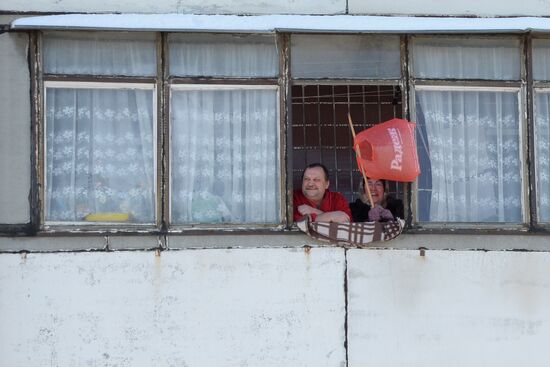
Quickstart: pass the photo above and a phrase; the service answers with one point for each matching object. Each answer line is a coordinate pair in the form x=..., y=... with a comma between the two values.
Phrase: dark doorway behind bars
x=321, y=133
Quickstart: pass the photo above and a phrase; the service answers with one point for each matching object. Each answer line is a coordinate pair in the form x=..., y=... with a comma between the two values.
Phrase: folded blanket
x=357, y=234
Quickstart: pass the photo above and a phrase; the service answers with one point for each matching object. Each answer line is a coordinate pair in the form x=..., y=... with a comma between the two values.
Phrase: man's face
x=376, y=190
x=314, y=184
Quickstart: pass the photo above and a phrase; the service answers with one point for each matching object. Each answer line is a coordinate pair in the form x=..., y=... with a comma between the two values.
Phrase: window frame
x=277, y=82
x=534, y=87
x=452, y=84
x=39, y=122
x=162, y=84
x=97, y=85
x=180, y=228
x=543, y=88
x=400, y=82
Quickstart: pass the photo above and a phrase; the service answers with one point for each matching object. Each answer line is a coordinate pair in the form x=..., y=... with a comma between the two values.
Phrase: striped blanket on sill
x=355, y=234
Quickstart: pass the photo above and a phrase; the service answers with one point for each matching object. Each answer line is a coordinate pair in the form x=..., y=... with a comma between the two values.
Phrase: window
x=225, y=154
x=101, y=124
x=185, y=130
x=224, y=136
x=541, y=76
x=100, y=136
x=469, y=112
x=345, y=57
x=333, y=75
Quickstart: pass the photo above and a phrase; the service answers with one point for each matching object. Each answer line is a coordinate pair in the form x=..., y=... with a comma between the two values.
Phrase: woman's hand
x=379, y=214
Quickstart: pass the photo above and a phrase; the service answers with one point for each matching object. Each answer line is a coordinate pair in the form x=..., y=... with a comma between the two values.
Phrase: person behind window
x=386, y=208
x=316, y=200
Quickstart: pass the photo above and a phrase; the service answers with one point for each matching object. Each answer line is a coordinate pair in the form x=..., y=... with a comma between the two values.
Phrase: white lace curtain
x=466, y=58
x=224, y=156
x=468, y=139
x=541, y=72
x=224, y=138
x=542, y=142
x=223, y=55
x=99, y=153
x=469, y=151
x=100, y=139
x=100, y=53
x=541, y=59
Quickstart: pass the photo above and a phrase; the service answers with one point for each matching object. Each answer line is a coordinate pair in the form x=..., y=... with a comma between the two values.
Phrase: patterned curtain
x=469, y=148
x=224, y=156
x=99, y=154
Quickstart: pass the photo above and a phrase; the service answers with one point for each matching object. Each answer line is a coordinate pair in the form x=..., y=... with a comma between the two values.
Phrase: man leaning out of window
x=316, y=200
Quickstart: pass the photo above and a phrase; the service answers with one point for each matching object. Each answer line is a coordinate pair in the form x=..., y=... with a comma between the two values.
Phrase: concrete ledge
x=464, y=242
x=51, y=244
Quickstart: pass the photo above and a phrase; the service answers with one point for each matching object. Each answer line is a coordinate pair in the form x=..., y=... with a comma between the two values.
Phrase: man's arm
x=341, y=209
x=304, y=209
x=340, y=214
x=320, y=216
x=336, y=216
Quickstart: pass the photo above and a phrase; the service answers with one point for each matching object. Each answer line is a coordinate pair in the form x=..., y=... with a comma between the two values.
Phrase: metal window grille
x=321, y=132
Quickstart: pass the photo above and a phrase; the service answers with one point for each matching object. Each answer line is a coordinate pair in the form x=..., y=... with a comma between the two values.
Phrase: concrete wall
x=255, y=307
x=275, y=307
x=426, y=7
x=448, y=308
x=15, y=129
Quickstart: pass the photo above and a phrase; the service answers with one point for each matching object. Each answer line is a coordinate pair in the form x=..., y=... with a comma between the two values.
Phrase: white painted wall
x=275, y=307
x=448, y=308
x=254, y=307
x=401, y=7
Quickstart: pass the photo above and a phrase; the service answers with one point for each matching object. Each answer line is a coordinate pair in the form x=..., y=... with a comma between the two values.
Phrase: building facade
x=149, y=155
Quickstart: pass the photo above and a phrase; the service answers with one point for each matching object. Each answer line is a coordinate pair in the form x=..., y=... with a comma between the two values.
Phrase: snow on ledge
x=286, y=23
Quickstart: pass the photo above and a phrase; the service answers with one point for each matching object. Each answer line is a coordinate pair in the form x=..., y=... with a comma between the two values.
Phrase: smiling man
x=316, y=200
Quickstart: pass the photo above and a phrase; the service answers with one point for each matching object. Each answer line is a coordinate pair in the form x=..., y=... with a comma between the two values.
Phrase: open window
x=333, y=75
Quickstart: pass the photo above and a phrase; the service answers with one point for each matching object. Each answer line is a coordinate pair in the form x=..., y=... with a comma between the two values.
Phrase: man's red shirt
x=332, y=202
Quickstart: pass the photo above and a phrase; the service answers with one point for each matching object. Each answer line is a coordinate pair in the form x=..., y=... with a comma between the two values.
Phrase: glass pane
x=345, y=56
x=225, y=156
x=100, y=53
x=542, y=143
x=223, y=55
x=541, y=59
x=469, y=151
x=466, y=58
x=100, y=155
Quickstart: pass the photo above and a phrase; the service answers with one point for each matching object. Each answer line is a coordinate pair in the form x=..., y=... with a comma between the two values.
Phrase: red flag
x=388, y=151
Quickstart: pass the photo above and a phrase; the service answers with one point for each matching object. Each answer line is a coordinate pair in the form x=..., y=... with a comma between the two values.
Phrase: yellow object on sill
x=107, y=217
